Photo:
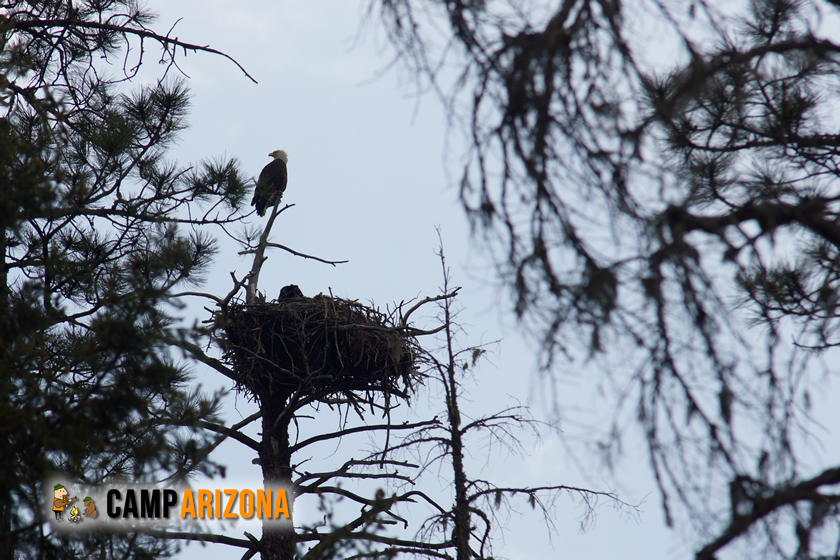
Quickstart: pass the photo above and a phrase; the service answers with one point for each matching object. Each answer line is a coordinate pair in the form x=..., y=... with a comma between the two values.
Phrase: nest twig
x=322, y=347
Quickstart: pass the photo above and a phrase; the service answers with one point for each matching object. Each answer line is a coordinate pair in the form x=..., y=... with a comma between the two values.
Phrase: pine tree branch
x=807, y=490
x=139, y=32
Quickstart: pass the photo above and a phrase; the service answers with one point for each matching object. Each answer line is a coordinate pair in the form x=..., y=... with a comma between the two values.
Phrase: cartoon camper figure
x=60, y=501
x=90, y=509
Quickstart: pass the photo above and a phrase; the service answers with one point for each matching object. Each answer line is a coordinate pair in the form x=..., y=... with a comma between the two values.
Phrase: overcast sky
x=368, y=176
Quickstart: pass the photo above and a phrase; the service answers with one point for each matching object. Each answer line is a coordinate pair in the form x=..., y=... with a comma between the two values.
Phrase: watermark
x=73, y=506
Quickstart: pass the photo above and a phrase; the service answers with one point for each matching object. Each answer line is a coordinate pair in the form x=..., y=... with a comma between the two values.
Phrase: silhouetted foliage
x=683, y=213
x=93, y=239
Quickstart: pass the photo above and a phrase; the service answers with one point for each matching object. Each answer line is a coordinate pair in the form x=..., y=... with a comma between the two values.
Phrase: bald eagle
x=272, y=182
x=291, y=291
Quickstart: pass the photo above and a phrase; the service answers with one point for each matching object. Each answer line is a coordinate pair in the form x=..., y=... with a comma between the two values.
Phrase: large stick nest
x=318, y=347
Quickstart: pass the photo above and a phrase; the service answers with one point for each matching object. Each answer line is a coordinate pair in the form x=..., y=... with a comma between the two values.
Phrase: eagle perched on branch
x=272, y=182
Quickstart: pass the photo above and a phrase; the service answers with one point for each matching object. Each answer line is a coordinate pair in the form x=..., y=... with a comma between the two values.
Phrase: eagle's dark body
x=271, y=183
x=292, y=291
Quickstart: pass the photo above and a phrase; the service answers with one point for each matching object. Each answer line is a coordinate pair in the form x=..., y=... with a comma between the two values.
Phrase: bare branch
x=304, y=255
x=348, y=431
x=139, y=32
x=200, y=537
x=215, y=298
x=424, y=301
x=197, y=353
x=230, y=432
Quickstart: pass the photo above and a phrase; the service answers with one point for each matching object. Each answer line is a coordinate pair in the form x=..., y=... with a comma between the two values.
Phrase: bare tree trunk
x=276, y=457
x=461, y=530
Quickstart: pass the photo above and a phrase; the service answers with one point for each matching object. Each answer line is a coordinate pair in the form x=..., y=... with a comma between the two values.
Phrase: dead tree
x=301, y=352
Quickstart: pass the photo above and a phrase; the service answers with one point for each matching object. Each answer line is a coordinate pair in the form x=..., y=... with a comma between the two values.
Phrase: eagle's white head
x=280, y=154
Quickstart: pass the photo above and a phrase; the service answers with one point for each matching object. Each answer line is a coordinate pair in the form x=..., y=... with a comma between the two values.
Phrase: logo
x=126, y=506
